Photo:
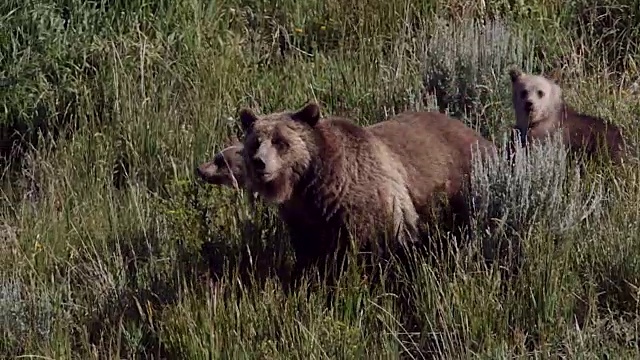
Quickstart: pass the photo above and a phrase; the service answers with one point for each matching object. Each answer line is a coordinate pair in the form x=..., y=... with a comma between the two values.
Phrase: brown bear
x=331, y=176
x=436, y=151
x=226, y=168
x=540, y=109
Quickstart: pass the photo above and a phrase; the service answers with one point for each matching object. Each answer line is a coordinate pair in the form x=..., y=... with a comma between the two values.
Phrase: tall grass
x=111, y=249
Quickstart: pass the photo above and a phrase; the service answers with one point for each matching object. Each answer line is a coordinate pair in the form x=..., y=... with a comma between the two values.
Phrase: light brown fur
x=227, y=169
x=540, y=109
x=329, y=175
x=436, y=151
x=334, y=161
x=330, y=178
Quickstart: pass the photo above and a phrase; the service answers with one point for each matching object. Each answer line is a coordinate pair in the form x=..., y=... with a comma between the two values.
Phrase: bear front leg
x=300, y=267
x=316, y=264
x=302, y=242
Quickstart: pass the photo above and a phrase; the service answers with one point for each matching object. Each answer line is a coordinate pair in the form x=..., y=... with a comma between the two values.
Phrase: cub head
x=279, y=148
x=535, y=99
x=226, y=168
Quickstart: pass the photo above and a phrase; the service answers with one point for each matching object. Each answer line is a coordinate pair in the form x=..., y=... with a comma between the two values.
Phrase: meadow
x=111, y=249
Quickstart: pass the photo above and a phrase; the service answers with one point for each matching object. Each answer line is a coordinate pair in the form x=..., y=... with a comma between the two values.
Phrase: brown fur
x=540, y=109
x=330, y=175
x=226, y=168
x=436, y=151
x=330, y=178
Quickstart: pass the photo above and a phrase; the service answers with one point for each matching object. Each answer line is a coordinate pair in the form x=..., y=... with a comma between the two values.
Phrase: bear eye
x=251, y=145
x=540, y=93
x=218, y=161
x=523, y=94
x=279, y=143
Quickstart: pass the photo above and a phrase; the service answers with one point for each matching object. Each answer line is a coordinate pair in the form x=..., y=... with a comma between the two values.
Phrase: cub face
x=226, y=168
x=535, y=99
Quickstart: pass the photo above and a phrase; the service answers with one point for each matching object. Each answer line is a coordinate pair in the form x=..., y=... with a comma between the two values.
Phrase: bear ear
x=555, y=75
x=247, y=118
x=515, y=73
x=309, y=113
x=233, y=140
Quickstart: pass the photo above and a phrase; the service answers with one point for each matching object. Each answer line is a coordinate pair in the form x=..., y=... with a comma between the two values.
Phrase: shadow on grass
x=127, y=317
x=155, y=275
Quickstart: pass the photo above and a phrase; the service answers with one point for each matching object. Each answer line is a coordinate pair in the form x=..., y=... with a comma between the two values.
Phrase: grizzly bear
x=540, y=109
x=226, y=168
x=436, y=151
x=331, y=177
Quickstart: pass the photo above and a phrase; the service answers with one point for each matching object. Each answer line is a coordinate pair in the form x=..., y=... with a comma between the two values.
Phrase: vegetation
x=111, y=249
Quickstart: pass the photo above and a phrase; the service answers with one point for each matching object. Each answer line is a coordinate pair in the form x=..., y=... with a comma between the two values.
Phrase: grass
x=107, y=240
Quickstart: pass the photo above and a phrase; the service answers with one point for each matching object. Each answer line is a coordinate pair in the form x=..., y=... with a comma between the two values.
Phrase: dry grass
x=102, y=224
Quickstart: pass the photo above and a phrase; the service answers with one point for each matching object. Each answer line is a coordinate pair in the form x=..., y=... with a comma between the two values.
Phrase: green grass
x=116, y=102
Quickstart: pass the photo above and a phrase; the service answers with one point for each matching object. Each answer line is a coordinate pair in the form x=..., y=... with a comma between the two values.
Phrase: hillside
x=111, y=249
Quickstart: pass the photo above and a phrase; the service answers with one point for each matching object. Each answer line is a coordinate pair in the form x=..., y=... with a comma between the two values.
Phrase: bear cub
x=226, y=168
x=540, y=109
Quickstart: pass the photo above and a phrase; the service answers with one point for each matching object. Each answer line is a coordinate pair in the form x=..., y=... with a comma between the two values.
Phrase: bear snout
x=258, y=164
x=204, y=172
x=528, y=106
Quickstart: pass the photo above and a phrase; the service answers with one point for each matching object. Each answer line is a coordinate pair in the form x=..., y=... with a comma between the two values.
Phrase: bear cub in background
x=541, y=109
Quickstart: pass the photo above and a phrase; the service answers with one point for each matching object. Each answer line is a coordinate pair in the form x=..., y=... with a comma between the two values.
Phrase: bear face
x=226, y=168
x=536, y=99
x=540, y=109
x=278, y=149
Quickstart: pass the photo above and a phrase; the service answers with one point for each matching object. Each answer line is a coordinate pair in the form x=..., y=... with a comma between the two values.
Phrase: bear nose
x=200, y=172
x=258, y=164
x=528, y=106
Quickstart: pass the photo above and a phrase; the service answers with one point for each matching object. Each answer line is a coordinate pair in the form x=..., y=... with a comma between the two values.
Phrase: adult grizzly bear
x=330, y=179
x=540, y=109
x=331, y=176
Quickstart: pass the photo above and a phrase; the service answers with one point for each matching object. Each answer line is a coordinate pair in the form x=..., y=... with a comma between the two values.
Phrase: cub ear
x=515, y=73
x=247, y=118
x=555, y=75
x=234, y=140
x=309, y=114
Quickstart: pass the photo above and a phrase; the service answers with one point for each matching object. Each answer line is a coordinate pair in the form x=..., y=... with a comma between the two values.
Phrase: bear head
x=226, y=168
x=279, y=149
x=535, y=99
